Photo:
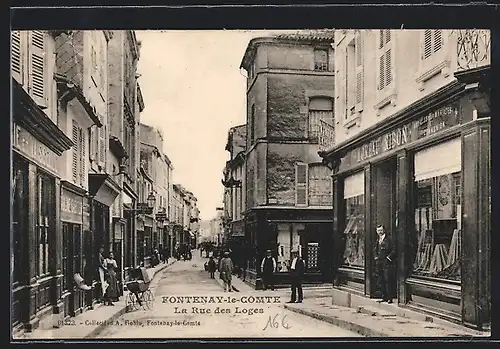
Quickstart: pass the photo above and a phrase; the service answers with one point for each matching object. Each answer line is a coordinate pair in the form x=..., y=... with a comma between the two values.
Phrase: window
x=320, y=109
x=432, y=42
x=66, y=280
x=320, y=185
x=438, y=212
x=252, y=124
x=354, y=231
x=19, y=206
x=16, y=54
x=301, y=179
x=46, y=195
x=321, y=60
x=288, y=238
x=385, y=64
x=79, y=161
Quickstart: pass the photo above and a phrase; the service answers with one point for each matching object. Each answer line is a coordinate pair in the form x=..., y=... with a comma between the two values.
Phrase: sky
x=194, y=92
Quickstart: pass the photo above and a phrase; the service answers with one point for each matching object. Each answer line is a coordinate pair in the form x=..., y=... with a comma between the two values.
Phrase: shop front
x=102, y=193
x=149, y=225
x=129, y=240
x=140, y=243
x=424, y=175
x=281, y=231
x=37, y=144
x=72, y=209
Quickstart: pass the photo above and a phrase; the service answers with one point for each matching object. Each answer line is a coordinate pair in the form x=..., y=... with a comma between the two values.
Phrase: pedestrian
x=166, y=253
x=384, y=265
x=297, y=269
x=101, y=272
x=112, y=290
x=226, y=268
x=211, y=267
x=268, y=267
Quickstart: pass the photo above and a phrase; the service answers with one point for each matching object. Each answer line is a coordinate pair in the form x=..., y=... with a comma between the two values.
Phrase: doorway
x=384, y=211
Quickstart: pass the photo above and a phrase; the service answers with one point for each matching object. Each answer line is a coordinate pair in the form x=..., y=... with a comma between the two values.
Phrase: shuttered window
x=301, y=179
x=37, y=79
x=432, y=42
x=17, y=65
x=359, y=69
x=83, y=160
x=385, y=59
x=76, y=152
x=102, y=145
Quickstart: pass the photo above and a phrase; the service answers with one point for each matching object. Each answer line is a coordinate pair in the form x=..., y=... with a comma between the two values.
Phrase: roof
x=302, y=36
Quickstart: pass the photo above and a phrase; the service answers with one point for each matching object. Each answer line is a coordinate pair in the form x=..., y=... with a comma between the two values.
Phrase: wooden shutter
x=76, y=141
x=301, y=179
x=92, y=137
x=17, y=65
x=432, y=42
x=83, y=160
x=385, y=60
x=102, y=145
x=37, y=67
x=358, y=47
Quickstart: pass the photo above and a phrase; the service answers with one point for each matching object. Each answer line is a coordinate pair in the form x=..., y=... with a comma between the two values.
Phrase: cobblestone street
x=187, y=278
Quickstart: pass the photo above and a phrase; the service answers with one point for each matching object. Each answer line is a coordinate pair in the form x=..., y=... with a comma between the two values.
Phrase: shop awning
x=450, y=160
x=103, y=188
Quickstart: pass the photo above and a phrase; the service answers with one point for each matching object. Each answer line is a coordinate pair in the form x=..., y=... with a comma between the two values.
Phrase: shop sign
x=71, y=207
x=32, y=148
x=410, y=132
x=140, y=225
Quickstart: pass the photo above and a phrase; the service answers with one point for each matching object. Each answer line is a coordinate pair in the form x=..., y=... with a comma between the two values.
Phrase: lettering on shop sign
x=71, y=207
x=28, y=145
x=423, y=127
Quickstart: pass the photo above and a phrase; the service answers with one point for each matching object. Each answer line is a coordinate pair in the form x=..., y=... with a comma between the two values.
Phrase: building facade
x=234, y=188
x=39, y=147
x=290, y=92
x=412, y=153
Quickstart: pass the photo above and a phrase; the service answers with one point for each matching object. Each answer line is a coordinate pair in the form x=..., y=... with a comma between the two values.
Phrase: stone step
x=374, y=311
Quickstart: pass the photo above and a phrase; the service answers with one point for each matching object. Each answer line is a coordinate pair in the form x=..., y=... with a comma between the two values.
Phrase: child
x=211, y=267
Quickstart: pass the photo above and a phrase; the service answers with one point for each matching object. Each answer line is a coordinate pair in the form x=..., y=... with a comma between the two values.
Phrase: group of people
x=384, y=252
x=159, y=255
x=107, y=276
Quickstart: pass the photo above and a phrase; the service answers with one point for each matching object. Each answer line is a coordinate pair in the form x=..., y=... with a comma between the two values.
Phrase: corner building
x=290, y=90
x=412, y=153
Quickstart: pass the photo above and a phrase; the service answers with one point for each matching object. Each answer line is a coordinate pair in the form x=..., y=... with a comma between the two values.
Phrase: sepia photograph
x=304, y=183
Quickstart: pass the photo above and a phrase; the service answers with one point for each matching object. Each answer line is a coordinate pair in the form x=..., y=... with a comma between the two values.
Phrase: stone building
x=412, y=153
x=234, y=187
x=290, y=92
x=42, y=147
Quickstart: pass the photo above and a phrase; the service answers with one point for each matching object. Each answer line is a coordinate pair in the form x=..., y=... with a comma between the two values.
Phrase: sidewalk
x=379, y=321
x=92, y=322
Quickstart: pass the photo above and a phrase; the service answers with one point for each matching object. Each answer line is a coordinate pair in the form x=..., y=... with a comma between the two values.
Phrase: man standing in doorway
x=297, y=269
x=268, y=267
x=384, y=265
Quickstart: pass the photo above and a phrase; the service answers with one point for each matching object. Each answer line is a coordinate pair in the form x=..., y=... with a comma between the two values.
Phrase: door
x=78, y=297
x=67, y=281
x=384, y=211
x=118, y=252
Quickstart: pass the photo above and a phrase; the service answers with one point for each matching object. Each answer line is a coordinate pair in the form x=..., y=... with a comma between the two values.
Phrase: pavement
x=380, y=320
x=190, y=305
x=91, y=322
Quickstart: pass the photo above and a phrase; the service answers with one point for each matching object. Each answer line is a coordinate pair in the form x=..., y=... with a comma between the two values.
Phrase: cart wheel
x=132, y=302
x=149, y=299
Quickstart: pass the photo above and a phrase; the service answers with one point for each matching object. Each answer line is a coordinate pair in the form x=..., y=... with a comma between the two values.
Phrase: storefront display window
x=354, y=231
x=19, y=206
x=438, y=212
x=45, y=209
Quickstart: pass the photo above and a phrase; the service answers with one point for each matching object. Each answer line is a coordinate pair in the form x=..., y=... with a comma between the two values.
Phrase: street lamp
x=151, y=200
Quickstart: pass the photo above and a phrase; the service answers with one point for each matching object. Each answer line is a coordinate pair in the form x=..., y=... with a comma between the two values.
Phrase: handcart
x=139, y=293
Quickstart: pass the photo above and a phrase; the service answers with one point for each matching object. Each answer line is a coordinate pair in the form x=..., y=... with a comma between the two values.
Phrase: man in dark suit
x=384, y=264
x=297, y=268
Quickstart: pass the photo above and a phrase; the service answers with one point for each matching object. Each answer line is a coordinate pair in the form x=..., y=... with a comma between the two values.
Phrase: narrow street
x=187, y=278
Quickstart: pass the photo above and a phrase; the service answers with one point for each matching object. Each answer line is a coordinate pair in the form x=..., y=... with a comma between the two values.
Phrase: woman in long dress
x=112, y=291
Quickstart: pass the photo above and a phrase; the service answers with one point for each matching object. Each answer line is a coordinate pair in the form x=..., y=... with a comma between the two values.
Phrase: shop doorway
x=384, y=213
